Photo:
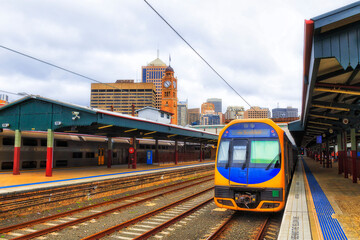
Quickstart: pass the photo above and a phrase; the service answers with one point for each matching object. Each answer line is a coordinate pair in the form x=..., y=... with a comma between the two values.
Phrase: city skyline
x=264, y=65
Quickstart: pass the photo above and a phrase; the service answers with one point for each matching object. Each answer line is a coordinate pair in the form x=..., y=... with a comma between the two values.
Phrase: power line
x=197, y=53
x=56, y=66
x=19, y=94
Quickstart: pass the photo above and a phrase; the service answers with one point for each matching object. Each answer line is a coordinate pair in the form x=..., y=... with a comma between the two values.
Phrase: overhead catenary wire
x=206, y=62
x=56, y=66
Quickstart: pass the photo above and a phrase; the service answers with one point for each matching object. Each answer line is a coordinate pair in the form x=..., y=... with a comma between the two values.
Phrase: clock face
x=167, y=84
x=174, y=84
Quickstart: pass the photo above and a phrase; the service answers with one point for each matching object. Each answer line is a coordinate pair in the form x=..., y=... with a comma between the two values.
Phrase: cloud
x=255, y=45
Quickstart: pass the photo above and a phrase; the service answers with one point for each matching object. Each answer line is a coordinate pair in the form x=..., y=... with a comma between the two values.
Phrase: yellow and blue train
x=254, y=164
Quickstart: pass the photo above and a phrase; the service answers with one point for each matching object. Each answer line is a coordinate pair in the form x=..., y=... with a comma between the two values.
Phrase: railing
x=349, y=165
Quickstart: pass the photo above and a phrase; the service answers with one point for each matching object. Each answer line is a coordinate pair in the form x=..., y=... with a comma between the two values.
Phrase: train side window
x=43, y=142
x=61, y=143
x=8, y=141
x=77, y=154
x=223, y=155
x=30, y=142
x=90, y=155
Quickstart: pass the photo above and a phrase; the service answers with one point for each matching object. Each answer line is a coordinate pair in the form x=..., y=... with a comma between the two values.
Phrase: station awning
x=331, y=80
x=35, y=113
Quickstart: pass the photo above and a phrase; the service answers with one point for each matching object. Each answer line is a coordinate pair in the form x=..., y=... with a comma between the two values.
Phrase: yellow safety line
x=314, y=221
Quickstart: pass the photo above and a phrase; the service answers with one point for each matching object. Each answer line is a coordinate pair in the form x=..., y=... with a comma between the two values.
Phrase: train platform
x=331, y=209
x=36, y=180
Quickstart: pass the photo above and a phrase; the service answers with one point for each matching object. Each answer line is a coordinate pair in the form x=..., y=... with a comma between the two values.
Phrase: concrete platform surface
x=35, y=179
x=343, y=197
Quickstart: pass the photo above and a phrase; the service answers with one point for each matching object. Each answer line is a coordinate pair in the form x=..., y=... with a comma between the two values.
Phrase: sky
x=256, y=46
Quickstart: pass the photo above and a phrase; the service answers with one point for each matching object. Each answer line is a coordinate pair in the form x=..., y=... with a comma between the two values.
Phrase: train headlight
x=225, y=202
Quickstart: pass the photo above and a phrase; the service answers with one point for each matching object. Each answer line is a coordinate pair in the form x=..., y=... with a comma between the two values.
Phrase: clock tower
x=169, y=94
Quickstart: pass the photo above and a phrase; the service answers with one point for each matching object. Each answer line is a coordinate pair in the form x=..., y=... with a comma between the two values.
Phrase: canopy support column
x=345, y=164
x=157, y=151
x=340, y=154
x=17, y=146
x=176, y=156
x=109, y=152
x=353, y=154
x=49, y=153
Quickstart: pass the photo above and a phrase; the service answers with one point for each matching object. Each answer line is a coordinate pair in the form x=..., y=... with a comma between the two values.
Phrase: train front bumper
x=249, y=199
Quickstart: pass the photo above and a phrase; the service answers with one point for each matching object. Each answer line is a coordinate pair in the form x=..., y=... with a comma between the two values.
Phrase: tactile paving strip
x=330, y=227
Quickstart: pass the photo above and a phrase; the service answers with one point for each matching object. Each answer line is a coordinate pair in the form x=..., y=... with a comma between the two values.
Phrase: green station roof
x=35, y=113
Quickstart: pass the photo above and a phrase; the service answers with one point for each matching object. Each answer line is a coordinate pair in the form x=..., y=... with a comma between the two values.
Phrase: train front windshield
x=249, y=153
x=263, y=153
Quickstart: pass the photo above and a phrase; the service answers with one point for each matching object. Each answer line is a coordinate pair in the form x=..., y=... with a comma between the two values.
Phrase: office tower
x=121, y=95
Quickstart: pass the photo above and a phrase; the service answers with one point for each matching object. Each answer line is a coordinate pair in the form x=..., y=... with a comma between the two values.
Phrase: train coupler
x=245, y=198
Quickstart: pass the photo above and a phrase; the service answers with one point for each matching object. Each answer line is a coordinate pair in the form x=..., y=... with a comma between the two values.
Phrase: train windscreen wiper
x=272, y=161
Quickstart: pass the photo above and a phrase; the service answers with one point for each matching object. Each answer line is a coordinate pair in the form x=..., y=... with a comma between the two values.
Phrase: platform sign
x=318, y=139
x=131, y=150
x=149, y=157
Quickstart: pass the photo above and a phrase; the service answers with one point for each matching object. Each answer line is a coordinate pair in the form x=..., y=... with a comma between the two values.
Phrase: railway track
x=46, y=198
x=66, y=223
x=164, y=216
x=268, y=229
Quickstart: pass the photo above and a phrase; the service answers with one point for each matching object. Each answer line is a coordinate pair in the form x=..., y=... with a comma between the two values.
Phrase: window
x=90, y=155
x=239, y=149
x=162, y=114
x=266, y=153
x=29, y=142
x=77, y=154
x=223, y=154
x=61, y=143
x=168, y=116
x=8, y=141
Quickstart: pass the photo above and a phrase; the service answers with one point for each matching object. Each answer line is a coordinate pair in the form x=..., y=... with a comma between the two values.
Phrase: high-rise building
x=207, y=108
x=182, y=113
x=217, y=104
x=169, y=94
x=210, y=119
x=153, y=73
x=4, y=99
x=257, y=112
x=121, y=95
x=234, y=112
x=288, y=112
x=194, y=116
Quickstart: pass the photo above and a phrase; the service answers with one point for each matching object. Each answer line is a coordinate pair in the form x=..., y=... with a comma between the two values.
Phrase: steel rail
x=97, y=215
x=261, y=233
x=59, y=215
x=221, y=228
x=157, y=229
x=26, y=200
x=144, y=216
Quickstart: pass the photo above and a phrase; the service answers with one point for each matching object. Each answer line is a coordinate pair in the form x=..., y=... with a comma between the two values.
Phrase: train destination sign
x=250, y=132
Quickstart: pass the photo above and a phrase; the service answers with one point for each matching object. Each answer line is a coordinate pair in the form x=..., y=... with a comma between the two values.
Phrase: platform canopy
x=35, y=113
x=331, y=79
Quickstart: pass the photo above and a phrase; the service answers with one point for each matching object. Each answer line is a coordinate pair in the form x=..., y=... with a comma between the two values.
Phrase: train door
x=238, y=170
x=101, y=158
